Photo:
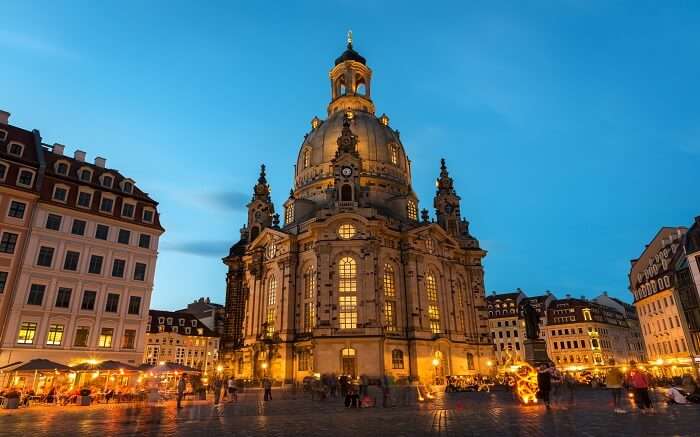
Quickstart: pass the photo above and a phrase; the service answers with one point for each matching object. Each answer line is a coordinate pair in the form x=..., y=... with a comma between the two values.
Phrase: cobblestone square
x=451, y=414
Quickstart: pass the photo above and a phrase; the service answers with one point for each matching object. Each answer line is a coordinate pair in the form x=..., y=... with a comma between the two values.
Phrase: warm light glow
x=264, y=365
x=219, y=369
x=489, y=363
x=526, y=383
x=659, y=362
x=162, y=363
x=624, y=369
x=92, y=361
x=436, y=362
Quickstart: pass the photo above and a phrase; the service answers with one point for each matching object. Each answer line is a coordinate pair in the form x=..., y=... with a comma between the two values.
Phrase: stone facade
x=354, y=281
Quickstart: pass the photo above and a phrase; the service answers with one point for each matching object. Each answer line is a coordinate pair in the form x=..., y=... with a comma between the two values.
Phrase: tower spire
x=349, y=38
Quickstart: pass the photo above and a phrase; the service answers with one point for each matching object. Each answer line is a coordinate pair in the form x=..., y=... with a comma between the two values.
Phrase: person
x=613, y=381
x=232, y=390
x=180, y=390
x=639, y=382
x=267, y=386
x=218, y=383
x=544, y=384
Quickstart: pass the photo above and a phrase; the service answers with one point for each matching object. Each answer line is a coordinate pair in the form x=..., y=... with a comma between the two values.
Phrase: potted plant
x=84, y=398
x=12, y=399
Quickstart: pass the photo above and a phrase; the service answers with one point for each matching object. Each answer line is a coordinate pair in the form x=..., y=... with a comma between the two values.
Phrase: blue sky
x=571, y=128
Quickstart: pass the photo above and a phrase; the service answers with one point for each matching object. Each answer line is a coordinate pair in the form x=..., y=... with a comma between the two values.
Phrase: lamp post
x=436, y=363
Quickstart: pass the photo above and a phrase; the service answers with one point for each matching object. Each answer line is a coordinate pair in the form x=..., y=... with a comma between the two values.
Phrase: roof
x=178, y=320
x=350, y=55
x=503, y=296
x=692, y=243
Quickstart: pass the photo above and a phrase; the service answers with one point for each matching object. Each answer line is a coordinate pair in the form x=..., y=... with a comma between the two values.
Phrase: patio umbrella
x=103, y=366
x=173, y=367
x=36, y=365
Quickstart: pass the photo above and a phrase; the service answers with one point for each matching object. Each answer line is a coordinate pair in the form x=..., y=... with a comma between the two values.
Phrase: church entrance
x=349, y=362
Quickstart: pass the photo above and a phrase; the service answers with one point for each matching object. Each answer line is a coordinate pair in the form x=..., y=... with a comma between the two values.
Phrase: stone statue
x=532, y=320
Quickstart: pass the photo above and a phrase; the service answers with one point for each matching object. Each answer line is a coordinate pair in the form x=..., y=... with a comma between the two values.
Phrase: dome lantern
x=350, y=82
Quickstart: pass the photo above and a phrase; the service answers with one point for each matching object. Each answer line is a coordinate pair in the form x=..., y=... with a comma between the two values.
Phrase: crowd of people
x=354, y=392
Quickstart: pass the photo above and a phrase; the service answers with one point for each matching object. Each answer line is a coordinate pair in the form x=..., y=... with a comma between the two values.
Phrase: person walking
x=639, y=381
x=267, y=386
x=217, y=389
x=613, y=381
x=232, y=390
x=544, y=384
x=180, y=390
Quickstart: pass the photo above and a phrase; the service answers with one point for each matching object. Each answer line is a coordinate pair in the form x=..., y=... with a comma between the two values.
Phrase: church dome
x=378, y=145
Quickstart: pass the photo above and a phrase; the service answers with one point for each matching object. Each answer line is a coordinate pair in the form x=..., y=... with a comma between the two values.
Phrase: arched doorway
x=438, y=368
x=348, y=359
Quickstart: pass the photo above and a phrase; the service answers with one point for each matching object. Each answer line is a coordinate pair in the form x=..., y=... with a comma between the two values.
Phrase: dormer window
x=394, y=154
x=181, y=322
x=170, y=320
x=85, y=175
x=161, y=320
x=148, y=215
x=194, y=323
x=107, y=181
x=15, y=149
x=3, y=135
x=127, y=187
x=307, y=158
x=62, y=168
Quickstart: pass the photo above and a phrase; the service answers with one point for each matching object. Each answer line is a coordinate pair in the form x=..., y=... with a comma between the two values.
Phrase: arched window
x=389, y=282
x=310, y=304
x=307, y=158
x=433, y=308
x=412, y=210
x=397, y=359
x=310, y=285
x=289, y=214
x=62, y=168
x=389, y=298
x=347, y=288
x=470, y=361
x=271, y=301
x=346, y=193
x=394, y=154
x=271, y=290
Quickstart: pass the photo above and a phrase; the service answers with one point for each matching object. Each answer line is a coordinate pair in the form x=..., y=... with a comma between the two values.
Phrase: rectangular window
x=390, y=315
x=27, y=331
x=112, y=305
x=8, y=242
x=45, y=256
x=95, y=264
x=63, y=297
x=304, y=358
x=55, y=336
x=147, y=215
x=102, y=232
x=140, y=272
x=309, y=316
x=348, y=312
x=89, y=298
x=3, y=281
x=434, y=316
x=60, y=194
x=84, y=199
x=3, y=167
x=106, y=335
x=71, y=261
x=36, y=294
x=78, y=227
x=107, y=204
x=81, y=336
x=145, y=241
x=118, y=268
x=128, y=210
x=17, y=209
x=124, y=236
x=25, y=178
x=129, y=339
x=53, y=222
x=135, y=305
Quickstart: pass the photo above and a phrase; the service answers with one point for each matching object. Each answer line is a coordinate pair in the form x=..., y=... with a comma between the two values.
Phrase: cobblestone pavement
x=454, y=414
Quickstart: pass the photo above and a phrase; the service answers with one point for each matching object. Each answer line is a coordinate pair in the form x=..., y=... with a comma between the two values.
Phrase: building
x=83, y=267
x=582, y=333
x=207, y=312
x=633, y=340
x=666, y=300
x=355, y=281
x=179, y=337
x=507, y=326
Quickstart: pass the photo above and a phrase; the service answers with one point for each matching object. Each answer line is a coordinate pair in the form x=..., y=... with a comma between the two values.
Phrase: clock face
x=448, y=208
x=346, y=171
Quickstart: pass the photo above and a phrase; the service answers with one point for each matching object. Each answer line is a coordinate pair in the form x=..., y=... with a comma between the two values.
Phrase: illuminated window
x=390, y=315
x=310, y=284
x=271, y=290
x=394, y=153
x=307, y=158
x=289, y=213
x=106, y=335
x=389, y=285
x=431, y=287
x=397, y=359
x=347, y=231
x=271, y=250
x=412, y=210
x=309, y=316
x=304, y=360
x=429, y=245
x=347, y=270
x=470, y=359
x=434, y=316
x=587, y=314
x=27, y=331
x=270, y=320
x=55, y=336
x=348, y=312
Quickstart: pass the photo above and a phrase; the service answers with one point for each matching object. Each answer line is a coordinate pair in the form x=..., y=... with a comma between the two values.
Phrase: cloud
x=213, y=249
x=226, y=200
x=31, y=43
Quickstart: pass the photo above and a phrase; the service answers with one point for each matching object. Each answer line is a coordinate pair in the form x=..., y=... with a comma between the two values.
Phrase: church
x=355, y=281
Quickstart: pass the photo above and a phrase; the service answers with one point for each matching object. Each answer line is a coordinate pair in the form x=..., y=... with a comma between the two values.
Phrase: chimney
x=4, y=117
x=605, y=293
x=100, y=162
x=79, y=156
x=58, y=148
